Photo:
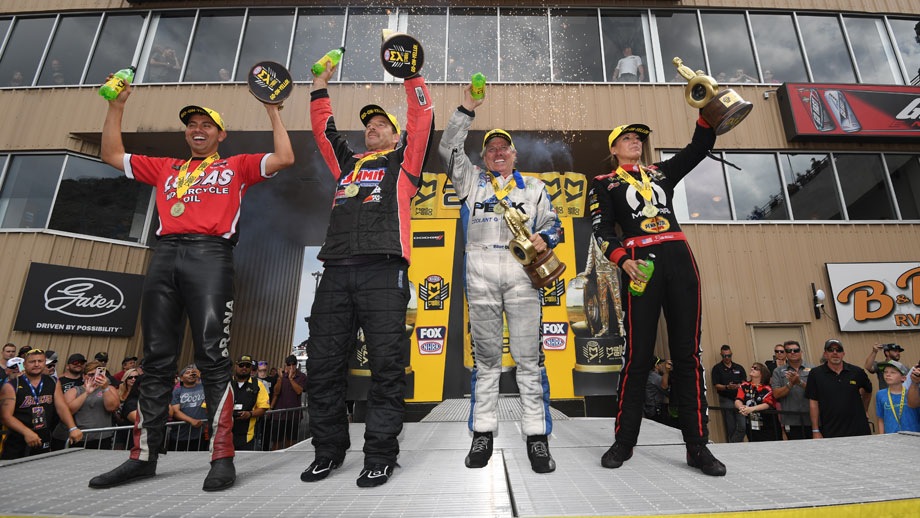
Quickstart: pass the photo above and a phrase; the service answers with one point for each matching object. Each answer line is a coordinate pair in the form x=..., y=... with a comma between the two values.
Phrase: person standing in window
x=191, y=273
x=629, y=67
x=640, y=200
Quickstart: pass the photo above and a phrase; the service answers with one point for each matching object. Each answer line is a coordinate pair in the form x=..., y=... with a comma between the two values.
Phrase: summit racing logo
x=552, y=295
x=434, y=291
x=555, y=335
x=428, y=239
x=431, y=339
x=83, y=297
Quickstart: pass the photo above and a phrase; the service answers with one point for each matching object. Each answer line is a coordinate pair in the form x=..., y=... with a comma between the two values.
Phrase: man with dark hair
x=892, y=352
x=839, y=395
x=286, y=395
x=198, y=201
x=250, y=401
x=73, y=372
x=127, y=364
x=788, y=383
x=727, y=377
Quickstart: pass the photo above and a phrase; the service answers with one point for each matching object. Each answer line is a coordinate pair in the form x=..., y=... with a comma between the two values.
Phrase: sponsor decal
x=434, y=291
x=431, y=339
x=552, y=295
x=428, y=239
x=555, y=335
x=655, y=225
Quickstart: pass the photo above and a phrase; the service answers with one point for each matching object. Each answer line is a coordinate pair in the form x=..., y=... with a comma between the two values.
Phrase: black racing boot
x=129, y=470
x=538, y=453
x=699, y=456
x=221, y=476
x=480, y=450
x=616, y=455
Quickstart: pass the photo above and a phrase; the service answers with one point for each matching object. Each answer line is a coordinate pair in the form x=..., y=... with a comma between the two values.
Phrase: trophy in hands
x=401, y=54
x=542, y=268
x=721, y=109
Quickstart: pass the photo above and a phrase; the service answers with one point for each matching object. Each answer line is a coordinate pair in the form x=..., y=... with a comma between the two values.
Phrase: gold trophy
x=722, y=109
x=543, y=269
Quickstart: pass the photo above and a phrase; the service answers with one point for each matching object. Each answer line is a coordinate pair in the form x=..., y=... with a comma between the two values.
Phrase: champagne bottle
x=637, y=287
x=478, y=88
x=110, y=90
x=332, y=57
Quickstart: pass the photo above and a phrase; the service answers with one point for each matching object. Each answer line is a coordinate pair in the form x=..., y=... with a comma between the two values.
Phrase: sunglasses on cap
x=35, y=351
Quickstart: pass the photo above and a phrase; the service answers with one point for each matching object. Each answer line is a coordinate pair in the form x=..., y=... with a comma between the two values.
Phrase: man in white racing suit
x=497, y=284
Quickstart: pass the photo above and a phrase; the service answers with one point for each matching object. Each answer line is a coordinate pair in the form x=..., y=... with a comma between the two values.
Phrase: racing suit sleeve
x=460, y=169
x=419, y=128
x=546, y=221
x=332, y=145
x=680, y=165
x=604, y=222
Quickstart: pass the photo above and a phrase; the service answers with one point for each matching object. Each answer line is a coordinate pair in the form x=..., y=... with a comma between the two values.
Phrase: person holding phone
x=93, y=405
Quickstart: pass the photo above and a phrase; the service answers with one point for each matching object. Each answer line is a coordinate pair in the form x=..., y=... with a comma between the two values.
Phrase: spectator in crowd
x=891, y=408
x=285, y=426
x=741, y=77
x=262, y=374
x=657, y=391
x=103, y=358
x=788, y=383
x=779, y=358
x=727, y=377
x=28, y=405
x=51, y=360
x=223, y=74
x=188, y=405
x=892, y=352
x=754, y=398
x=73, y=372
x=365, y=276
x=913, y=388
x=273, y=377
x=126, y=414
x=128, y=363
x=768, y=77
x=163, y=65
x=93, y=404
x=23, y=350
x=9, y=351
x=14, y=368
x=16, y=79
x=838, y=394
x=250, y=401
x=497, y=288
x=629, y=67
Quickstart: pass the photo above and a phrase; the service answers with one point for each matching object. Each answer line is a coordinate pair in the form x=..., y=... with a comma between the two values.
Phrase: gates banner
x=62, y=299
x=876, y=296
x=816, y=111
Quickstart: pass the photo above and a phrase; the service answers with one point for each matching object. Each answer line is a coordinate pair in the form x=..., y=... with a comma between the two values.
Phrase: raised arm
x=113, y=148
x=283, y=154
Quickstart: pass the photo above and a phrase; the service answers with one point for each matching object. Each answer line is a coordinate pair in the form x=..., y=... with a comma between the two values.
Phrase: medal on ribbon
x=644, y=189
x=501, y=193
x=353, y=186
x=186, y=180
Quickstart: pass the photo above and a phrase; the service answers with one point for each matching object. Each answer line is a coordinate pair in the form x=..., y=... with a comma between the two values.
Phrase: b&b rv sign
x=62, y=299
x=876, y=296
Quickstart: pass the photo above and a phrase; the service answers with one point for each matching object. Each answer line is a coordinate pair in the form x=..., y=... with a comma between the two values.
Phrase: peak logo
x=83, y=297
x=431, y=339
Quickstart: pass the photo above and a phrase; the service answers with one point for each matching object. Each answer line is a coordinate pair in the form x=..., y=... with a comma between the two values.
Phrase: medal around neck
x=177, y=209
x=270, y=82
x=649, y=211
x=352, y=190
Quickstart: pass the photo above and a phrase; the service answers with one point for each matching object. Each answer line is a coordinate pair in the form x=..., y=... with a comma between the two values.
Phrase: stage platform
x=864, y=476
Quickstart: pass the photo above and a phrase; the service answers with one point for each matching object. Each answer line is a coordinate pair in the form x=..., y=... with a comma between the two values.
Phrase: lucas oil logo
x=552, y=295
x=434, y=291
x=555, y=335
x=431, y=339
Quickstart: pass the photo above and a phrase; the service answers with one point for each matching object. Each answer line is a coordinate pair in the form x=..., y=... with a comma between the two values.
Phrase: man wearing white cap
x=191, y=272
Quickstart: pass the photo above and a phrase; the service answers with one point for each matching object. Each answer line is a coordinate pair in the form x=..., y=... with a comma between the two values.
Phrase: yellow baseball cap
x=186, y=113
x=496, y=133
x=639, y=129
x=372, y=110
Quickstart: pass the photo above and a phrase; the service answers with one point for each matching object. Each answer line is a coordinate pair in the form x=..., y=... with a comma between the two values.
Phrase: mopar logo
x=83, y=297
x=555, y=328
x=430, y=333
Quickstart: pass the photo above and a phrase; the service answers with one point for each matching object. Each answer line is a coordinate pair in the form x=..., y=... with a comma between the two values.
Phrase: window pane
x=756, y=189
x=907, y=38
x=778, y=47
x=812, y=190
x=905, y=177
x=98, y=200
x=116, y=46
x=25, y=198
x=826, y=49
x=524, y=42
x=24, y=49
x=466, y=54
x=872, y=49
x=624, y=31
x=169, y=44
x=702, y=195
x=680, y=37
x=214, y=46
x=729, y=47
x=362, y=39
x=864, y=190
x=318, y=32
x=4, y=25
x=268, y=35
x=576, y=53
x=429, y=26
x=69, y=50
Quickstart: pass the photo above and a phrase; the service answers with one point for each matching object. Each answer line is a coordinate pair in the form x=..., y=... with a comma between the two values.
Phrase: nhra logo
x=428, y=239
x=431, y=339
x=552, y=295
x=434, y=291
x=555, y=335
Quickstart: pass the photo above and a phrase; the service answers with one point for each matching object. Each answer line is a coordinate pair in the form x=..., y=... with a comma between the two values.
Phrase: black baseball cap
x=893, y=347
x=102, y=356
x=245, y=359
x=832, y=342
x=76, y=357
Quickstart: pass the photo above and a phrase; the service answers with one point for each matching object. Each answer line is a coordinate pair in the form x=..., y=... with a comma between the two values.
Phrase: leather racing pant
x=192, y=274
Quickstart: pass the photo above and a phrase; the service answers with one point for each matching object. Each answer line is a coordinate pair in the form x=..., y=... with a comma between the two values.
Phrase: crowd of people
x=86, y=397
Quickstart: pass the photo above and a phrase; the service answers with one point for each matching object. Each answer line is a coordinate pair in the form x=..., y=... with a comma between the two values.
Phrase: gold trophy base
x=725, y=111
x=545, y=269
